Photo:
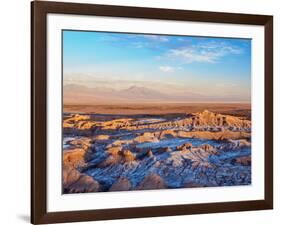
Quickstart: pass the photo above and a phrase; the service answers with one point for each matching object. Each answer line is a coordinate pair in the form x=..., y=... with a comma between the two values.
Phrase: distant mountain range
x=79, y=94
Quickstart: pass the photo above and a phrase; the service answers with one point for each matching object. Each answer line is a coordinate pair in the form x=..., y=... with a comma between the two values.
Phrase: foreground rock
x=122, y=184
x=73, y=180
x=244, y=160
x=152, y=181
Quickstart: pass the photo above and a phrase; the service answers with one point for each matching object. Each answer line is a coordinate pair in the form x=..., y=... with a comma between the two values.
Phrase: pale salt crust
x=58, y=202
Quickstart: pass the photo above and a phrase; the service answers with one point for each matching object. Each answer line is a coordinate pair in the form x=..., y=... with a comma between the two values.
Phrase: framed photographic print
x=143, y=112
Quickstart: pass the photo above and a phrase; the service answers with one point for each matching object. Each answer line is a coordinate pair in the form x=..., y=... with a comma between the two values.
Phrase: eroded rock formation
x=153, y=152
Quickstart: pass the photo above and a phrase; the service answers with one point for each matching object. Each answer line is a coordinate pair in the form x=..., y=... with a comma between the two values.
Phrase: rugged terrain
x=103, y=152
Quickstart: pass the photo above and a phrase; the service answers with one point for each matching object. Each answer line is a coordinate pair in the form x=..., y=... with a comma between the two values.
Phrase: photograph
x=154, y=111
x=143, y=111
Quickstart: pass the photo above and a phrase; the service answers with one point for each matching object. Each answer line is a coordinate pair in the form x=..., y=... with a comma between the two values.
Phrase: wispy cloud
x=158, y=38
x=203, y=52
x=149, y=41
x=167, y=69
x=135, y=40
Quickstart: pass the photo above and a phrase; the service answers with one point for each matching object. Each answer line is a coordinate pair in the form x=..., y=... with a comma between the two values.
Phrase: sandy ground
x=237, y=109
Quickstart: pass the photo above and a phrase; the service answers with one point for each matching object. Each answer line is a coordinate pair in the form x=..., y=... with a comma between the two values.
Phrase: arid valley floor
x=129, y=147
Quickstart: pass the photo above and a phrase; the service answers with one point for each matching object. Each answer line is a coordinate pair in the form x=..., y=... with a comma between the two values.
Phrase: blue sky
x=212, y=66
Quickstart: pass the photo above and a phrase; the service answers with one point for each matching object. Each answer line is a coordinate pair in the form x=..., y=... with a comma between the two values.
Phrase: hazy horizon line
x=149, y=103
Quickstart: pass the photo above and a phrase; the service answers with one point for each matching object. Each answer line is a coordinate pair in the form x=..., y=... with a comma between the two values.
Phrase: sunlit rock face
x=142, y=152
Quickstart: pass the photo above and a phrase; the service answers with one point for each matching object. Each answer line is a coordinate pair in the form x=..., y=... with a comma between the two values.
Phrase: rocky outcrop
x=110, y=161
x=244, y=160
x=83, y=183
x=152, y=181
x=122, y=184
x=143, y=153
x=74, y=158
x=185, y=146
x=128, y=155
x=221, y=135
x=146, y=137
x=207, y=118
x=73, y=180
x=207, y=147
x=114, y=150
x=203, y=121
x=167, y=134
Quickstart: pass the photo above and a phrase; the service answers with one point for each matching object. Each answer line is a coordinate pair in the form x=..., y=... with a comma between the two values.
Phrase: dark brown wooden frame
x=40, y=9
